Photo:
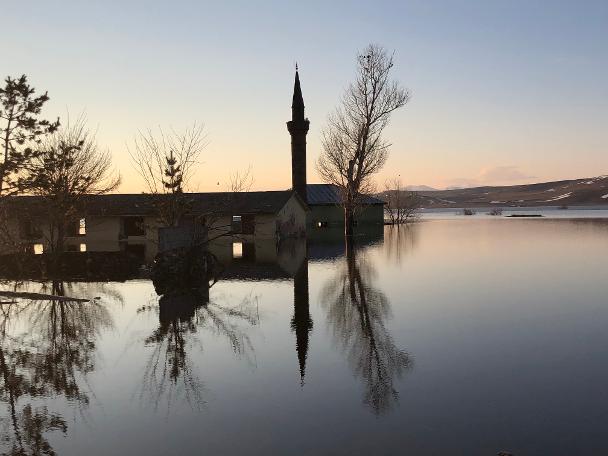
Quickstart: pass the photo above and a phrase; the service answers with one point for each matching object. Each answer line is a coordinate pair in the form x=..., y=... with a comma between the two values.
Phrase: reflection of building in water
x=259, y=260
x=328, y=244
x=265, y=260
x=301, y=323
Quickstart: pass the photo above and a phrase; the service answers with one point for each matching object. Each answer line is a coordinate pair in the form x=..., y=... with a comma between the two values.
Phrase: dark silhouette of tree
x=357, y=313
x=353, y=146
x=173, y=173
x=20, y=130
x=69, y=168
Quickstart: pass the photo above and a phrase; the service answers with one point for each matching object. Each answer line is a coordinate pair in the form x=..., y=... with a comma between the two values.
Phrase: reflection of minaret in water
x=301, y=322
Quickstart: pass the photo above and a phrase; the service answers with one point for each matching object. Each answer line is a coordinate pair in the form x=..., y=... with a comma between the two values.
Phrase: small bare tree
x=166, y=161
x=241, y=181
x=68, y=169
x=403, y=206
x=353, y=146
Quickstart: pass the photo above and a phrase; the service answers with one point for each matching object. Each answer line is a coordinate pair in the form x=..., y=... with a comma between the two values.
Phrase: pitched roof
x=144, y=204
x=329, y=194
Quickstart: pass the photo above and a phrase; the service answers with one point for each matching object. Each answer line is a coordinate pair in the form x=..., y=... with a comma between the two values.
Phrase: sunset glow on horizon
x=502, y=93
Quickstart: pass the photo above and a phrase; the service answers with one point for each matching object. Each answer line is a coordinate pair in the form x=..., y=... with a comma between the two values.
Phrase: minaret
x=298, y=128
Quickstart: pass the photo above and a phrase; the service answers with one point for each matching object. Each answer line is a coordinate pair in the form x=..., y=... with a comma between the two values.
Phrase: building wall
x=291, y=219
x=106, y=233
x=333, y=215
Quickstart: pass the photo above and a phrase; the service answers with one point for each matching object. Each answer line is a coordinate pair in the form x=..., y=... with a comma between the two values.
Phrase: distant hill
x=577, y=192
x=420, y=188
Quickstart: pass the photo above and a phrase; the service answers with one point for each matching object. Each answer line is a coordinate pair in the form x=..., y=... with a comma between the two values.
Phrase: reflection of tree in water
x=169, y=375
x=400, y=240
x=357, y=313
x=50, y=358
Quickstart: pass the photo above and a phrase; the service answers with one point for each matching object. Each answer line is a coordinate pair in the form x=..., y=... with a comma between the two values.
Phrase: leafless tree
x=69, y=168
x=166, y=162
x=241, y=181
x=403, y=206
x=353, y=146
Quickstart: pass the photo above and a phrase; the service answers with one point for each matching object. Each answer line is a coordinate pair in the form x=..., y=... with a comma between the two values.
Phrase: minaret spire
x=298, y=128
x=297, y=104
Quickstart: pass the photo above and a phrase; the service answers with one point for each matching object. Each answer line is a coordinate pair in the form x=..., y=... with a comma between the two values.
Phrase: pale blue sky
x=503, y=92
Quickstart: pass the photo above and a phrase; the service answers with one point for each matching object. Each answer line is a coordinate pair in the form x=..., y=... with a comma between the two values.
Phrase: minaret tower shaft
x=298, y=128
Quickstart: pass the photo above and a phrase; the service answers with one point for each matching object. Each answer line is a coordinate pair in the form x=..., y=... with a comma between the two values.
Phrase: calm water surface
x=459, y=336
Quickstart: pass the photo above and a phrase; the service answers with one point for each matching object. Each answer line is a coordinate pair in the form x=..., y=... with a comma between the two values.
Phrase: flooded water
x=552, y=212
x=464, y=336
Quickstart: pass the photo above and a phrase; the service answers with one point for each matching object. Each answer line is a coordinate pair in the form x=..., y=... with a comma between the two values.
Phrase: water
x=544, y=211
x=465, y=336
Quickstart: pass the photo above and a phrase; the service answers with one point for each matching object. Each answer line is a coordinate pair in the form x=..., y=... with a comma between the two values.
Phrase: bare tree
x=68, y=169
x=403, y=206
x=241, y=181
x=166, y=161
x=353, y=146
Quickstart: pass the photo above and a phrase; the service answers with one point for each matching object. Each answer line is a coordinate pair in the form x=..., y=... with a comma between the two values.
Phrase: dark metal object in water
x=38, y=297
x=525, y=215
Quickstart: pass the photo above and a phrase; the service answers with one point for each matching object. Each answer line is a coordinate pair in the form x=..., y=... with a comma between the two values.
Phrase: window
x=83, y=247
x=75, y=228
x=243, y=224
x=38, y=249
x=28, y=229
x=243, y=250
x=236, y=226
x=237, y=250
x=82, y=228
x=134, y=226
x=248, y=224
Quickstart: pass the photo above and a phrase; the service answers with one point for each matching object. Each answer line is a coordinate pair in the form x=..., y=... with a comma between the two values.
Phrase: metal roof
x=145, y=204
x=329, y=194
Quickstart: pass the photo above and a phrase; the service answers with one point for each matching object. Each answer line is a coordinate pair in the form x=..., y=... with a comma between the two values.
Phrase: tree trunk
x=349, y=220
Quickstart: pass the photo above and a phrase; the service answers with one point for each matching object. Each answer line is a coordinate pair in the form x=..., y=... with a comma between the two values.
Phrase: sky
x=503, y=92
